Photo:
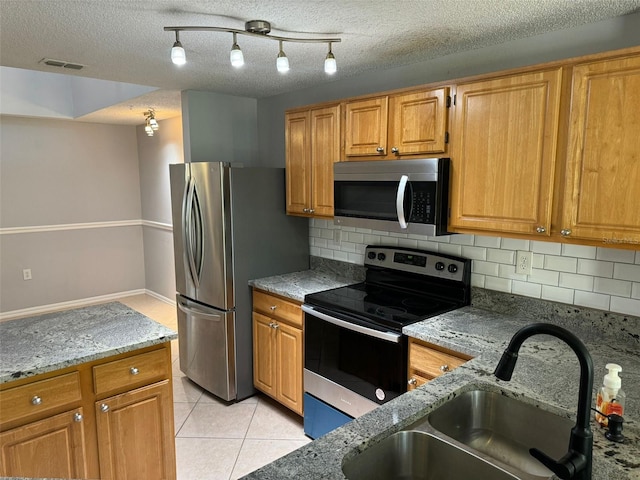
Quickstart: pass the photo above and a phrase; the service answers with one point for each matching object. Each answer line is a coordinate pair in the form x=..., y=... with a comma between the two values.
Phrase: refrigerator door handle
x=194, y=311
x=188, y=231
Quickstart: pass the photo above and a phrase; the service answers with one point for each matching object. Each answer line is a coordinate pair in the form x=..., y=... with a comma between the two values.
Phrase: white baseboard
x=54, y=307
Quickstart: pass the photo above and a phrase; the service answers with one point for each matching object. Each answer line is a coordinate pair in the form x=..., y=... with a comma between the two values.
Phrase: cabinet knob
x=305, y=210
x=395, y=150
x=104, y=408
x=380, y=150
x=565, y=232
x=312, y=210
x=444, y=368
x=541, y=229
x=36, y=400
x=77, y=417
x=412, y=381
x=274, y=325
x=273, y=307
x=134, y=371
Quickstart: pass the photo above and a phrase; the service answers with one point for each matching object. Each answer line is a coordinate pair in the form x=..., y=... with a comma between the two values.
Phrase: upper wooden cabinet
x=312, y=144
x=602, y=184
x=504, y=145
x=397, y=126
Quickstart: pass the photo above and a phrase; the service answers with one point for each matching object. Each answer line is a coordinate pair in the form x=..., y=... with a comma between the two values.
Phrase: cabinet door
x=298, y=162
x=264, y=354
x=418, y=122
x=289, y=365
x=53, y=447
x=603, y=166
x=504, y=139
x=135, y=434
x=366, y=127
x=325, y=151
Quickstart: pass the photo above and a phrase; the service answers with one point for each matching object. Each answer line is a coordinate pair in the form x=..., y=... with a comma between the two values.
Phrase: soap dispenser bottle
x=610, y=398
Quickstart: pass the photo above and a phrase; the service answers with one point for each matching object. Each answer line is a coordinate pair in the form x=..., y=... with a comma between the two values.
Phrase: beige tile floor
x=216, y=440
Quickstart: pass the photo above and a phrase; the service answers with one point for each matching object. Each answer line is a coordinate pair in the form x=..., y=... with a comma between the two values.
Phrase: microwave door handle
x=402, y=186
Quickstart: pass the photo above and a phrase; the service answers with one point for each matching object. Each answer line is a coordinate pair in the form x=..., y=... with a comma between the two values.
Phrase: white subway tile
x=477, y=280
x=397, y=235
x=561, y=264
x=557, y=294
x=537, y=261
x=344, y=229
x=499, y=284
x=407, y=242
x=441, y=239
x=635, y=291
x=314, y=251
x=363, y=230
x=527, y=289
x=595, y=268
x=417, y=237
x=615, y=255
x=450, y=249
x=428, y=245
x=320, y=223
x=545, y=277
x=348, y=247
x=627, y=306
x=342, y=256
x=356, y=258
x=577, y=282
x=320, y=242
x=609, y=286
x=355, y=237
x=325, y=252
x=380, y=233
x=515, y=244
x=624, y=271
x=501, y=256
x=591, y=300
x=580, y=251
x=474, y=253
x=488, y=242
x=638, y=257
x=326, y=233
x=509, y=271
x=389, y=241
x=314, y=232
x=360, y=248
x=462, y=239
x=485, y=268
x=372, y=239
x=548, y=248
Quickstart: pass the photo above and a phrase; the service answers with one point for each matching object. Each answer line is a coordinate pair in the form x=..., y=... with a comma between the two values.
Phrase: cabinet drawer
x=130, y=371
x=39, y=397
x=276, y=307
x=432, y=362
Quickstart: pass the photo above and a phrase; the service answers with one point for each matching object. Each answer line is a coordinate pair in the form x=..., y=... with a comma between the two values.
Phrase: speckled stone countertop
x=546, y=375
x=44, y=343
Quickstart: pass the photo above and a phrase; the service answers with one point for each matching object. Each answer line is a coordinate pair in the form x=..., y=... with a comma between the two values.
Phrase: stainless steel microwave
x=405, y=196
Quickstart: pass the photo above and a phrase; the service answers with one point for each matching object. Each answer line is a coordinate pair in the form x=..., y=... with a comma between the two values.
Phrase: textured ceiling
x=124, y=40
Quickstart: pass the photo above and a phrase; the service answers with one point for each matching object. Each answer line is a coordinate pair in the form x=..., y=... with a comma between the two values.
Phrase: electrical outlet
x=523, y=262
x=26, y=274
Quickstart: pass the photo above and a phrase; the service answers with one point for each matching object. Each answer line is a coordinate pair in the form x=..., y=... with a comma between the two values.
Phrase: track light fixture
x=151, y=125
x=255, y=28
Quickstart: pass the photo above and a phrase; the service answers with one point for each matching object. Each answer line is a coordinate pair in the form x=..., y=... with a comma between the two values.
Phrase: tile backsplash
x=596, y=277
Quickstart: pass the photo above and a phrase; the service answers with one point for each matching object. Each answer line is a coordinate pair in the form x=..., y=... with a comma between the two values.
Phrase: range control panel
x=417, y=261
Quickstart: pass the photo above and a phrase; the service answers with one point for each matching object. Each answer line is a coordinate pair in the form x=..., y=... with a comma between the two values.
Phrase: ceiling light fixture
x=255, y=28
x=151, y=125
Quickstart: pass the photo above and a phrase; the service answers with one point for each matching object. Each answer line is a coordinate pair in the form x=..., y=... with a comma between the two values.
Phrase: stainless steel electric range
x=355, y=352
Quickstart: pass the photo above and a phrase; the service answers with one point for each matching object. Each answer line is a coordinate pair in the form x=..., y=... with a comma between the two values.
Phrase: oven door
x=351, y=366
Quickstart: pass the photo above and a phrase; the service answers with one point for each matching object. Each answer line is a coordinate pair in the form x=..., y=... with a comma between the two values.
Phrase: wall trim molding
x=83, y=302
x=84, y=226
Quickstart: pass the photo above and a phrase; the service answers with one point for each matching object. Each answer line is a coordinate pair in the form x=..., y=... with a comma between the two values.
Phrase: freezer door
x=207, y=347
x=201, y=214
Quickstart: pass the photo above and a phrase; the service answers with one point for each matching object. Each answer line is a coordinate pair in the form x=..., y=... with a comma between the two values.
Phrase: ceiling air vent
x=61, y=63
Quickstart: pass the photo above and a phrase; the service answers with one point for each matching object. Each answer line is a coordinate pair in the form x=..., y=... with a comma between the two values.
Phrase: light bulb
x=330, y=66
x=148, y=130
x=178, y=56
x=282, y=62
x=236, y=57
x=153, y=123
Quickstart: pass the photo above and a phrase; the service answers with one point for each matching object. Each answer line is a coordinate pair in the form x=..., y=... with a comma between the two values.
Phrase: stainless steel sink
x=503, y=428
x=417, y=455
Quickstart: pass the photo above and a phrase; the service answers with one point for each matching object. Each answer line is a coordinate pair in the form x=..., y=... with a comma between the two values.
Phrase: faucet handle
x=563, y=468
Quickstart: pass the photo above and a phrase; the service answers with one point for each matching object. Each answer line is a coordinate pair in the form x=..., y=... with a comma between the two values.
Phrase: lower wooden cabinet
x=110, y=419
x=427, y=361
x=277, y=349
x=53, y=447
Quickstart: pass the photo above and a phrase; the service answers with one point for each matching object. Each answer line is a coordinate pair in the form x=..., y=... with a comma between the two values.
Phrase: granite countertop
x=546, y=375
x=298, y=284
x=44, y=343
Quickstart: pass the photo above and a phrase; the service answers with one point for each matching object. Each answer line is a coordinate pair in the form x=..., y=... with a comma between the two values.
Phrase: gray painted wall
x=55, y=172
x=219, y=128
x=610, y=34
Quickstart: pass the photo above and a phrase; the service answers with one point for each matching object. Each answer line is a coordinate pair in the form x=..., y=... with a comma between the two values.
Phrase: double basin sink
x=479, y=434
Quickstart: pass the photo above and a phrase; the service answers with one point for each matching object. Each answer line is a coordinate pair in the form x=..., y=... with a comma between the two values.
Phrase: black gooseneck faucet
x=576, y=463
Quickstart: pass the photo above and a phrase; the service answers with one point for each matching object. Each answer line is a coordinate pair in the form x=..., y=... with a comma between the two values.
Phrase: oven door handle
x=386, y=336
x=402, y=186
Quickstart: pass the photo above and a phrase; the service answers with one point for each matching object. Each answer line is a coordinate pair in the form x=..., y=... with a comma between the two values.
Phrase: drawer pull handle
x=77, y=417
x=380, y=150
x=274, y=325
x=134, y=371
x=36, y=400
x=273, y=307
x=444, y=368
x=412, y=381
x=104, y=408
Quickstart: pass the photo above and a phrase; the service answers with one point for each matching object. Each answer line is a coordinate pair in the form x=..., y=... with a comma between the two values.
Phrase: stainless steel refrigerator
x=229, y=226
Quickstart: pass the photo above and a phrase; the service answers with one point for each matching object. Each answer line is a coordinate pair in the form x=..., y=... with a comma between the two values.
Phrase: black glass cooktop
x=386, y=307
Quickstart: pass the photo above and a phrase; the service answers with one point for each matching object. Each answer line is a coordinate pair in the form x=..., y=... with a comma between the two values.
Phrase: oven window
x=363, y=364
x=367, y=199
